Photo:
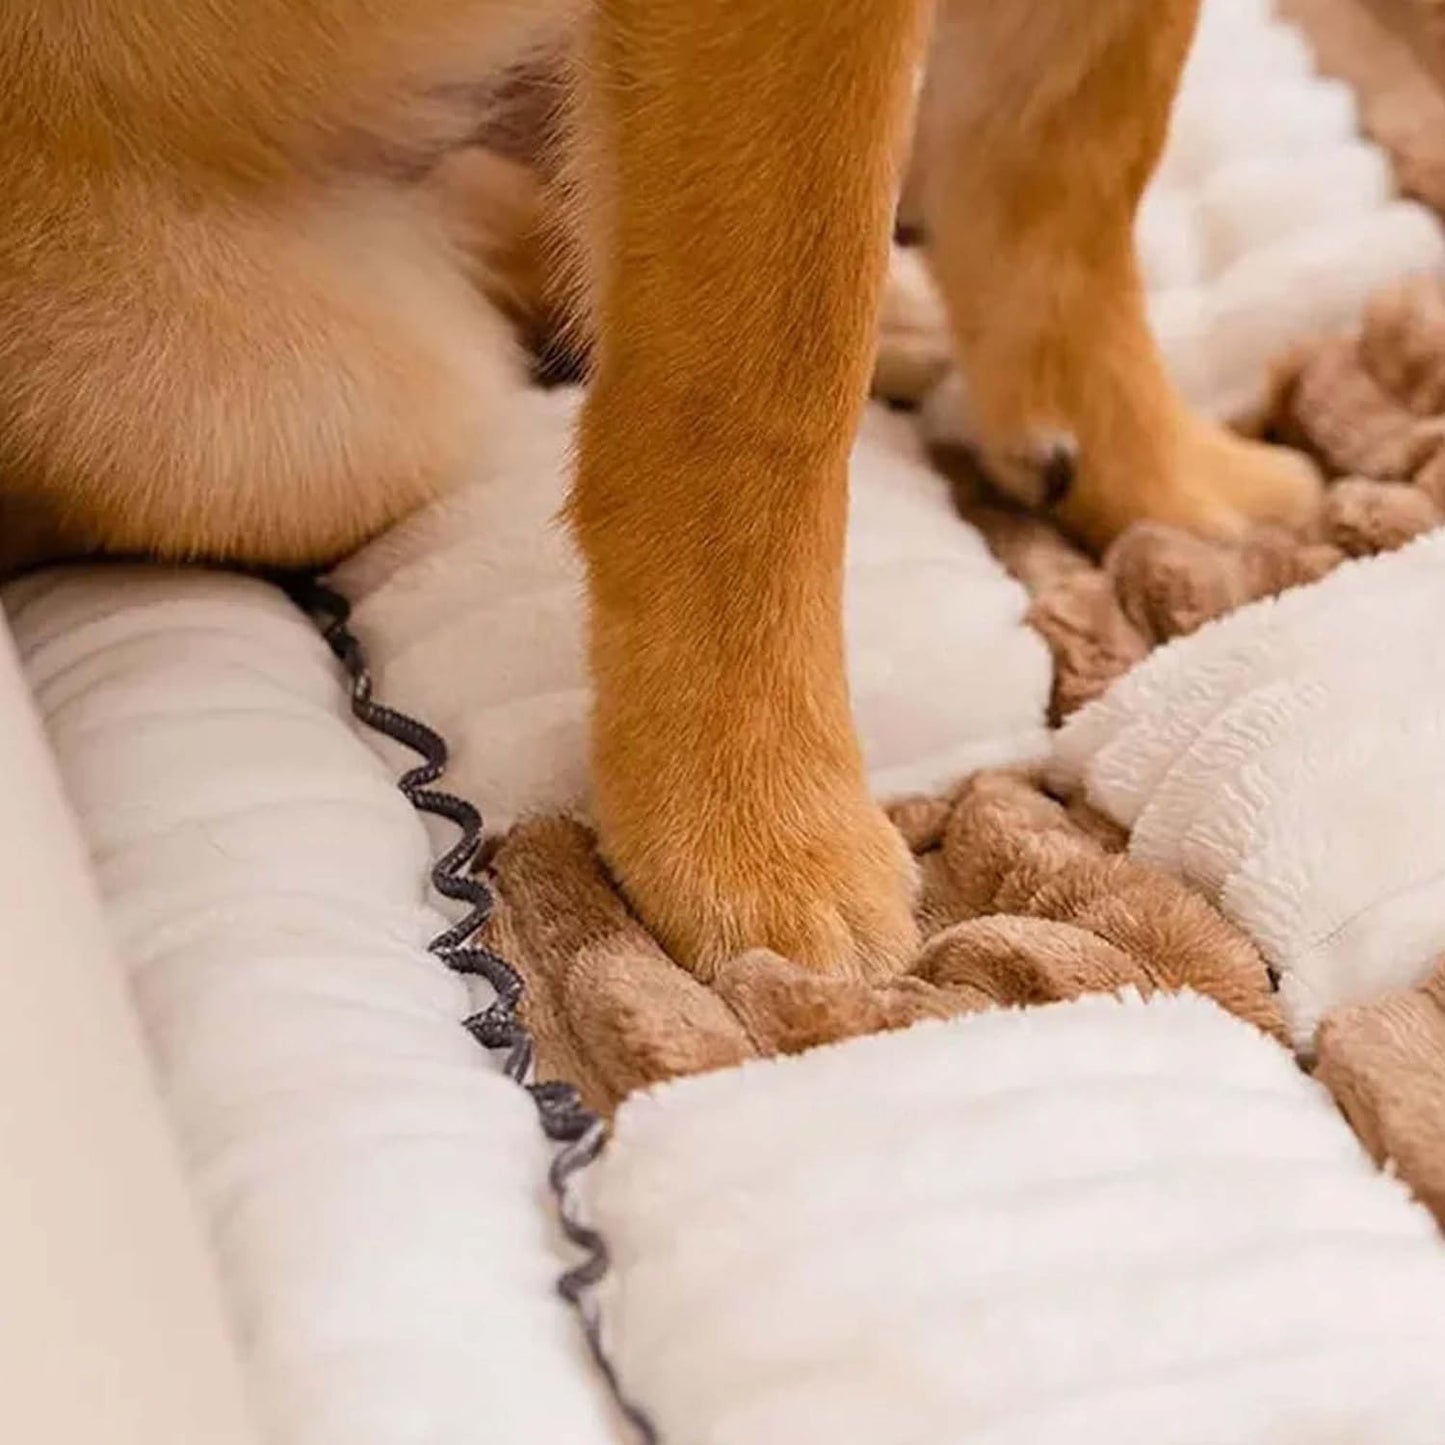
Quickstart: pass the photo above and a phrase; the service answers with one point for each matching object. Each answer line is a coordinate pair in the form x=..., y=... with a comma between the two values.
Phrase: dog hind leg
x=240, y=384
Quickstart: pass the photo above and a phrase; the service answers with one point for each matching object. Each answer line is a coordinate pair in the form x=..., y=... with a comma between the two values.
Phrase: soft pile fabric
x=113, y=1330
x=1110, y=1219
x=1105, y=1221
x=1024, y=902
x=1270, y=217
x=374, y=1189
x=1384, y=1061
x=1281, y=760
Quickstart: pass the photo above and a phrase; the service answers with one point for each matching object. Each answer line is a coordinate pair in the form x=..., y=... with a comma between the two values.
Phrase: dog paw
x=1173, y=468
x=1078, y=417
x=1208, y=481
x=1243, y=482
x=818, y=876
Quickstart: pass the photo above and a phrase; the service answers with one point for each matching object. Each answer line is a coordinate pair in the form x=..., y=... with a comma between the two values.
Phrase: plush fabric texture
x=1285, y=713
x=1102, y=1221
x=1158, y=583
x=1291, y=218
x=1109, y=1219
x=1278, y=760
x=1023, y=903
x=472, y=614
x=372, y=1185
x=375, y=1190
x=1384, y=1061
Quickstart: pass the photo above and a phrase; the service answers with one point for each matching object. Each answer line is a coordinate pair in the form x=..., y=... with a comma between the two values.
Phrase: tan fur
x=238, y=325
x=513, y=239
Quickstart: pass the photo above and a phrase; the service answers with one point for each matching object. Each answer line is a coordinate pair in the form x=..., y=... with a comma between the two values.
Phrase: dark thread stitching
x=564, y=1119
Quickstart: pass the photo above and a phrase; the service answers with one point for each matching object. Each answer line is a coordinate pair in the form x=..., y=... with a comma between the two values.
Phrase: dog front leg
x=740, y=160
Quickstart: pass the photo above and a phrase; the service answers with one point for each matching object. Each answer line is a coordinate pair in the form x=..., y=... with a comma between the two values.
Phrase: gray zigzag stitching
x=560, y=1111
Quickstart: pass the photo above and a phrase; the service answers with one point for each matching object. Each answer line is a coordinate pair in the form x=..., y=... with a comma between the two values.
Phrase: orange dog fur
x=238, y=327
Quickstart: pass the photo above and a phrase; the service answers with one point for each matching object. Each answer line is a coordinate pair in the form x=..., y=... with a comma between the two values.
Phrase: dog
x=245, y=322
